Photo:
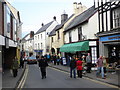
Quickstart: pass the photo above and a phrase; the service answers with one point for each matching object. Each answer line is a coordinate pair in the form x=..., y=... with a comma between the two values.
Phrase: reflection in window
x=116, y=18
x=8, y=20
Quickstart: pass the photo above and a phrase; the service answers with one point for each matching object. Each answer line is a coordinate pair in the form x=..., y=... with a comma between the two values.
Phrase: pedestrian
x=79, y=67
x=21, y=62
x=43, y=64
x=58, y=59
x=89, y=63
x=15, y=66
x=54, y=59
x=73, y=67
x=104, y=66
x=100, y=67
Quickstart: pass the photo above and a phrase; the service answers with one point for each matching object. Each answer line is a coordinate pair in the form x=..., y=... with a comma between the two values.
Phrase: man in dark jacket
x=73, y=67
x=43, y=64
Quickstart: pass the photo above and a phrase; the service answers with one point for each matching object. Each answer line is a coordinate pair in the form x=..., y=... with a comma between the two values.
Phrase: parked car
x=32, y=60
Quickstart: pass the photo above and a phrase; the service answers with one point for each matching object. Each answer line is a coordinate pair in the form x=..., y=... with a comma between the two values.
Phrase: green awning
x=74, y=47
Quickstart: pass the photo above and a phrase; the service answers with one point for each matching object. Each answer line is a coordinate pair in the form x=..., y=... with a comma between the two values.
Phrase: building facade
x=28, y=44
x=80, y=35
x=109, y=30
x=10, y=33
x=57, y=35
x=41, y=38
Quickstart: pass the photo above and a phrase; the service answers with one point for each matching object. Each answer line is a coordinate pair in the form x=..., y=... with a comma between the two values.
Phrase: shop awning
x=74, y=47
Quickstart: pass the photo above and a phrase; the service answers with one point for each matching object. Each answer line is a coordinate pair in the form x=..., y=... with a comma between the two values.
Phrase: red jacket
x=79, y=65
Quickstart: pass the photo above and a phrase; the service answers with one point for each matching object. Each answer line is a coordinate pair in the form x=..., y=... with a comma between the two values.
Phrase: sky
x=35, y=12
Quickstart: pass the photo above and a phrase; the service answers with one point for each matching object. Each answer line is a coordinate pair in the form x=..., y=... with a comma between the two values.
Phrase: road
x=58, y=79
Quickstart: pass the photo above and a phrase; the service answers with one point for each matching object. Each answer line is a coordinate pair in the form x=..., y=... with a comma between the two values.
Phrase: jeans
x=74, y=72
x=100, y=69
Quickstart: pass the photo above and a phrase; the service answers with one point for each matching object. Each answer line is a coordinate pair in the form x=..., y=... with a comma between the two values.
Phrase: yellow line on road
x=22, y=82
x=25, y=77
x=100, y=82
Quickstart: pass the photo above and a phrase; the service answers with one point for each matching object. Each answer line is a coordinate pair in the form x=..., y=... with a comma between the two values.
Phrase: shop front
x=80, y=49
x=110, y=47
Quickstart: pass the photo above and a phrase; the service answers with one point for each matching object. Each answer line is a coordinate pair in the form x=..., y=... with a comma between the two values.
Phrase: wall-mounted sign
x=110, y=38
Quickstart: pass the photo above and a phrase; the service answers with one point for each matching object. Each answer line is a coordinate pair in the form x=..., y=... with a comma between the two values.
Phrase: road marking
x=25, y=77
x=22, y=82
x=100, y=82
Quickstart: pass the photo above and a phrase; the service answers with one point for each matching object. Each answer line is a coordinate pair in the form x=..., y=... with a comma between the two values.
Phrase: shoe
x=103, y=78
x=70, y=76
x=42, y=77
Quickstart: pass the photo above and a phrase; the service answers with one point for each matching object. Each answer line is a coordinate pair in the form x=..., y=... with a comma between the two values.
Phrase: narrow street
x=58, y=79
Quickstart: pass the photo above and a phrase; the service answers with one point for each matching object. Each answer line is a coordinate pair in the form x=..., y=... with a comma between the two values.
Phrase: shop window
x=94, y=54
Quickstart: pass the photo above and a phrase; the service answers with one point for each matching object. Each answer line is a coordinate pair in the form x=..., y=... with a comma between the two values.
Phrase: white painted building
x=41, y=38
x=28, y=43
x=81, y=29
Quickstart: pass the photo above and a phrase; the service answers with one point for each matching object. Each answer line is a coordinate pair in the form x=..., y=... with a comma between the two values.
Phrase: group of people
x=78, y=64
x=16, y=64
x=75, y=64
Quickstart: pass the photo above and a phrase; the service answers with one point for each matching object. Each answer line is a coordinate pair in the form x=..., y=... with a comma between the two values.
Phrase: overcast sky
x=35, y=12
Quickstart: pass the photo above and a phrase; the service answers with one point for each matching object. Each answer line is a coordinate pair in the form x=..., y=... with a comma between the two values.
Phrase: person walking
x=21, y=62
x=58, y=59
x=104, y=66
x=100, y=67
x=89, y=63
x=43, y=64
x=79, y=67
x=15, y=66
x=73, y=67
x=54, y=59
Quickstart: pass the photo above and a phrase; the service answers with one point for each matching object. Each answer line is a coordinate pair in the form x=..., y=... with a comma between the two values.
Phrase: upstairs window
x=8, y=20
x=41, y=45
x=70, y=37
x=58, y=35
x=80, y=33
x=41, y=36
x=52, y=39
x=116, y=18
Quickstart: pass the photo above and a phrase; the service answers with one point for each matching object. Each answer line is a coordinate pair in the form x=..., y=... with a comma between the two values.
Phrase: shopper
x=43, y=64
x=73, y=67
x=79, y=67
x=15, y=66
x=89, y=63
x=100, y=67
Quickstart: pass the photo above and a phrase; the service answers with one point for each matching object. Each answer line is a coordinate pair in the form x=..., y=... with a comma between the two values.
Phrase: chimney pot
x=42, y=24
x=54, y=18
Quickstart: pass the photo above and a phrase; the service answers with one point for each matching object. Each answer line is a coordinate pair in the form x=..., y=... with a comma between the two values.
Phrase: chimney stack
x=31, y=34
x=78, y=8
x=64, y=17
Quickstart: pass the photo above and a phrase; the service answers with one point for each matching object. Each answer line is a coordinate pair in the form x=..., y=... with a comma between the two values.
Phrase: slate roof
x=25, y=36
x=83, y=17
x=43, y=28
x=59, y=27
x=53, y=32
